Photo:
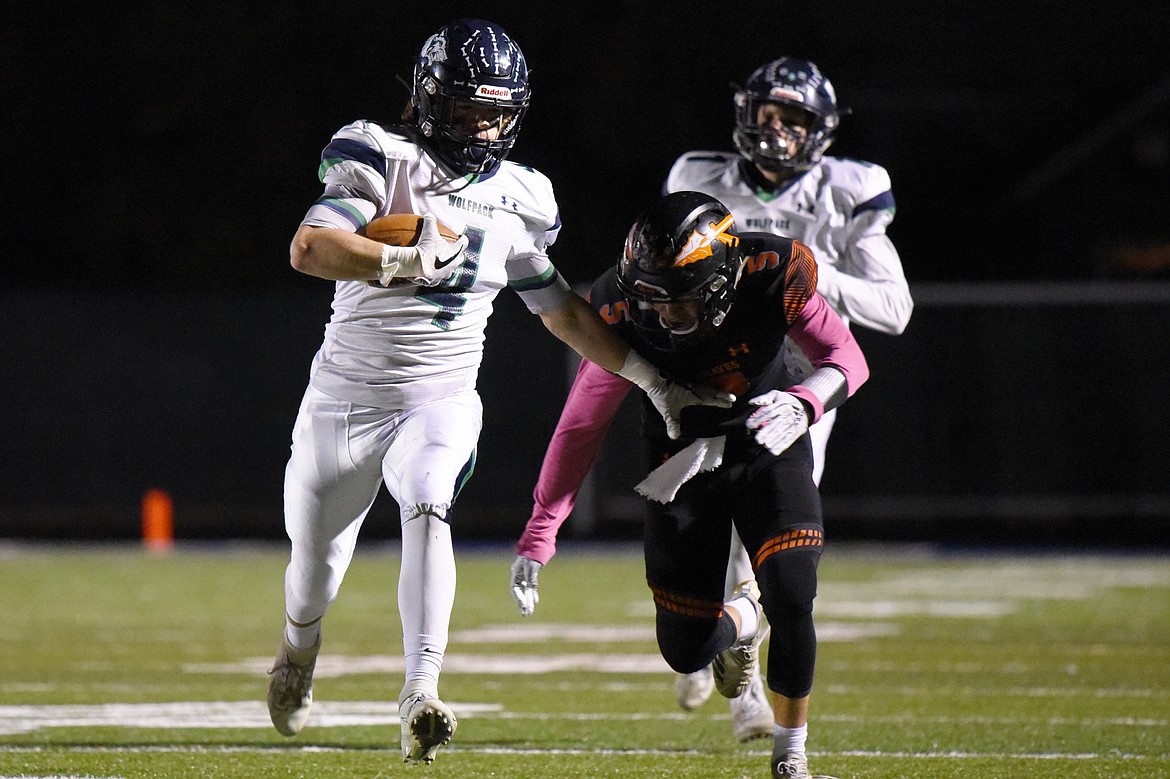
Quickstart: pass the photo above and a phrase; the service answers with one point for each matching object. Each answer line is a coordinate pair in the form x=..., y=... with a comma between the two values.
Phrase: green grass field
x=119, y=663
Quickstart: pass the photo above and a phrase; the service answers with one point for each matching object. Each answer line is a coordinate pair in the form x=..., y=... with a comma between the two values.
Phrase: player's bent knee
x=788, y=582
x=689, y=644
x=439, y=511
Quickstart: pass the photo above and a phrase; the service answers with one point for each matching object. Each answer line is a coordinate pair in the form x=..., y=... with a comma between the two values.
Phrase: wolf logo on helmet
x=435, y=49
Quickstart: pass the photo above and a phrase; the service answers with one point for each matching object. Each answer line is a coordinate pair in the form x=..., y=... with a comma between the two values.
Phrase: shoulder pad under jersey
x=366, y=144
x=527, y=192
x=778, y=266
x=865, y=185
x=697, y=170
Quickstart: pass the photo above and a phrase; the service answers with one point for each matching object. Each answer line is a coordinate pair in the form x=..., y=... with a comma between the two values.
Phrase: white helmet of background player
x=798, y=84
x=469, y=67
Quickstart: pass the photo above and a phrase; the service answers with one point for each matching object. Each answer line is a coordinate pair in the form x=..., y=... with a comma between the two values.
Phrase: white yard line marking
x=887, y=608
x=577, y=633
x=454, y=663
x=988, y=691
x=461, y=663
x=620, y=634
x=336, y=714
x=956, y=755
x=262, y=750
x=204, y=714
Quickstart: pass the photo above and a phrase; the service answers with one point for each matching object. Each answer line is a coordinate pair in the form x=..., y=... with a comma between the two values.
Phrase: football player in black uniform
x=710, y=308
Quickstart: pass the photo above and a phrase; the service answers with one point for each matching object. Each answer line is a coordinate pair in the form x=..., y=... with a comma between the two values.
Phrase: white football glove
x=780, y=419
x=668, y=398
x=524, y=573
x=429, y=262
x=437, y=255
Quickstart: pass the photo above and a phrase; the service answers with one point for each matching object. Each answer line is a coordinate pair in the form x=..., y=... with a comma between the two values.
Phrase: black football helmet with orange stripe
x=679, y=269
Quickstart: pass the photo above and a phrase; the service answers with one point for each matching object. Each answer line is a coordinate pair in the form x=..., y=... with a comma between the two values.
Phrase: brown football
x=402, y=229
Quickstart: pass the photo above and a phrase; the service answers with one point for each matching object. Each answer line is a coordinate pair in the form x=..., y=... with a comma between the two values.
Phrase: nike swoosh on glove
x=524, y=574
x=780, y=419
x=436, y=254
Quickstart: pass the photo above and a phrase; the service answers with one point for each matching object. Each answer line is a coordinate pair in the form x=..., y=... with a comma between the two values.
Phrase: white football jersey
x=840, y=209
x=405, y=344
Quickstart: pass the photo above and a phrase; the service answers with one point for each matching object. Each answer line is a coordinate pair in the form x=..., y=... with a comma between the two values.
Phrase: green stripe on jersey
x=325, y=165
x=534, y=282
x=338, y=204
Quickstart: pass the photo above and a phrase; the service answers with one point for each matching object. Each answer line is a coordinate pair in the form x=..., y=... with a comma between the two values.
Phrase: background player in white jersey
x=392, y=394
x=781, y=182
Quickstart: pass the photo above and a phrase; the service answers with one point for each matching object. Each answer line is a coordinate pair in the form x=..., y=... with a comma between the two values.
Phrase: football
x=401, y=229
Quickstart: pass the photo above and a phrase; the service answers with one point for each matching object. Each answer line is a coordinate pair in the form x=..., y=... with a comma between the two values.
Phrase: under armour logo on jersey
x=736, y=351
x=507, y=202
x=698, y=245
x=806, y=208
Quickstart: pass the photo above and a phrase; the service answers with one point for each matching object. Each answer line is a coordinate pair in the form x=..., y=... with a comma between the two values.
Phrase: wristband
x=823, y=391
x=393, y=257
x=638, y=370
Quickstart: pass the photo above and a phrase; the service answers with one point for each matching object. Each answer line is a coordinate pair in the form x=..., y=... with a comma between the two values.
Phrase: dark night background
x=161, y=156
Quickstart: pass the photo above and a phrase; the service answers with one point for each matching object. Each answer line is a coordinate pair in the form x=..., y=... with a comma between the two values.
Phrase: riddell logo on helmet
x=486, y=91
x=780, y=93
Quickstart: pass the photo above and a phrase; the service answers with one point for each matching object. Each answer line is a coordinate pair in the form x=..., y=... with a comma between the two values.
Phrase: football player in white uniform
x=392, y=393
x=780, y=181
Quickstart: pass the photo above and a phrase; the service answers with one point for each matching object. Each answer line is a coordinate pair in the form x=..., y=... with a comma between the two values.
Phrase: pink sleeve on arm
x=826, y=341
x=590, y=408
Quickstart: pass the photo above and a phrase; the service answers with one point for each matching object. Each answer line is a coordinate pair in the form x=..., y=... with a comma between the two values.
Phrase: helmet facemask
x=787, y=146
x=653, y=310
x=450, y=125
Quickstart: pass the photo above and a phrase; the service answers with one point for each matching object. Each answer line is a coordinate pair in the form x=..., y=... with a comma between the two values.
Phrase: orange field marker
x=158, y=520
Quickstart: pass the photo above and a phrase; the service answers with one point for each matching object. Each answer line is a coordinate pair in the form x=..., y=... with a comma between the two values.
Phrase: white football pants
x=341, y=455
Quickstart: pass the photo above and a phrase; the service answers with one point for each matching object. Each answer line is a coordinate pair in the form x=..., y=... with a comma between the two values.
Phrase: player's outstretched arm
x=582, y=328
x=593, y=401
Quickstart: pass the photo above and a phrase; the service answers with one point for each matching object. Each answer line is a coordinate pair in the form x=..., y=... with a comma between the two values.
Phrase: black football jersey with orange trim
x=744, y=355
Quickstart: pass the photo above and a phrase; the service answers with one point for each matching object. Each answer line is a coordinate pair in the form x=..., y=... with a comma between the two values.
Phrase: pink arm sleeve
x=590, y=408
x=826, y=341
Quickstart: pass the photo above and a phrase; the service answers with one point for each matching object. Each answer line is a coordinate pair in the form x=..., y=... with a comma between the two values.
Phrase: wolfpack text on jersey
x=386, y=343
x=840, y=209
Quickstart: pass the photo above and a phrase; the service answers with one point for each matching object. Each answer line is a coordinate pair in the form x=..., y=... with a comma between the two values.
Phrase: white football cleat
x=427, y=724
x=793, y=766
x=735, y=666
x=692, y=690
x=751, y=713
x=290, y=686
x=790, y=766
